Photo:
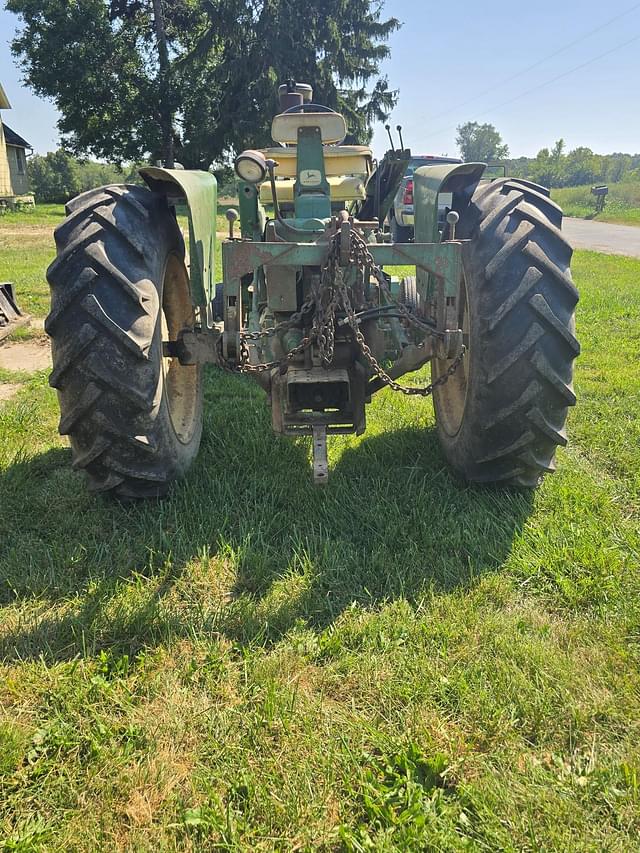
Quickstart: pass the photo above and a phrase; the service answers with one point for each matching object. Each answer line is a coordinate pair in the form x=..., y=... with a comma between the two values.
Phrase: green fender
x=461, y=179
x=199, y=190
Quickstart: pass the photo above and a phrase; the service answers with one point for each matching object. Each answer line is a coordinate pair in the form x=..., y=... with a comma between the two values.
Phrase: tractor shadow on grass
x=394, y=522
x=245, y=546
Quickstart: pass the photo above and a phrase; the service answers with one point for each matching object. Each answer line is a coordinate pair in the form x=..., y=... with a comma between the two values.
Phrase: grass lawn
x=26, y=249
x=397, y=662
x=622, y=204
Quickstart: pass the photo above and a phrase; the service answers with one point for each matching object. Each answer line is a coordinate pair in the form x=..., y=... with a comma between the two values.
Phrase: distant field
x=401, y=662
x=622, y=206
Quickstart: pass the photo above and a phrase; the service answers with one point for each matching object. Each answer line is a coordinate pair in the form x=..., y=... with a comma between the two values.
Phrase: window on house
x=21, y=161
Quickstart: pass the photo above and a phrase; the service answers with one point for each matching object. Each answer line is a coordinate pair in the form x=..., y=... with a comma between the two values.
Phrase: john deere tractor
x=309, y=309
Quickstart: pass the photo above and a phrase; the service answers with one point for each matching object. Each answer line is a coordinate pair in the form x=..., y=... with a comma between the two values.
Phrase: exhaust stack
x=292, y=94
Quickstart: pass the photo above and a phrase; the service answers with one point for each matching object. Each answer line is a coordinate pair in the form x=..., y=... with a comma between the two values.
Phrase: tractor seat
x=343, y=188
x=338, y=160
x=330, y=125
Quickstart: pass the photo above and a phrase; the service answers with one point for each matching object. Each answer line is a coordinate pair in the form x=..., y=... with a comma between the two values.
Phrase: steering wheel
x=308, y=108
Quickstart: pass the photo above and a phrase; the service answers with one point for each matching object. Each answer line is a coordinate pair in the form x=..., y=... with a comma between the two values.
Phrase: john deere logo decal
x=310, y=177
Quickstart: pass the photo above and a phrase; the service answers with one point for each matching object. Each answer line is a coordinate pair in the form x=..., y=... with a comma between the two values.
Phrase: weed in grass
x=400, y=795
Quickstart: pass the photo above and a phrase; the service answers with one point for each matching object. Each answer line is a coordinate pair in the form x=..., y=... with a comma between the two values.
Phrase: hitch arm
x=200, y=346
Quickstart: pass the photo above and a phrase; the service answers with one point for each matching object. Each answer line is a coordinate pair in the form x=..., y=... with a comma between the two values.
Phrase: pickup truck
x=401, y=213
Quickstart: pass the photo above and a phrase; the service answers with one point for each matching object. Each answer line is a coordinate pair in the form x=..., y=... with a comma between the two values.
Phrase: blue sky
x=447, y=55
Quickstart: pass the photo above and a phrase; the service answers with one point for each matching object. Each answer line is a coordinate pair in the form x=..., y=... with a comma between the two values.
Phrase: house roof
x=4, y=101
x=13, y=138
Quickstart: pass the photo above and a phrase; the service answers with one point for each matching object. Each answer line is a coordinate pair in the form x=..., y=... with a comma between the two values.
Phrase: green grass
x=40, y=214
x=622, y=203
x=397, y=662
x=26, y=250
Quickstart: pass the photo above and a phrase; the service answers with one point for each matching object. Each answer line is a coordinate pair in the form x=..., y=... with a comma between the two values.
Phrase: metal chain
x=325, y=317
x=245, y=366
x=361, y=256
x=380, y=371
x=324, y=321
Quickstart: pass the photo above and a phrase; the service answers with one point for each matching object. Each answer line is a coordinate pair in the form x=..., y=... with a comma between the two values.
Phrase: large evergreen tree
x=196, y=79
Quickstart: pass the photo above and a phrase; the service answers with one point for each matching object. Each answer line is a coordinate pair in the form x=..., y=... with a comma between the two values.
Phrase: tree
x=542, y=168
x=617, y=167
x=480, y=143
x=196, y=79
x=336, y=46
x=549, y=168
x=518, y=167
x=583, y=167
x=56, y=177
x=555, y=168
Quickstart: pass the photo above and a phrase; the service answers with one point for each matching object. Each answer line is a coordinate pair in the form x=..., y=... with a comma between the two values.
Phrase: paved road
x=603, y=237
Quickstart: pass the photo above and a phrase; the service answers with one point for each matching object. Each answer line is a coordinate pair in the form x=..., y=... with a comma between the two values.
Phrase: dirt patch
x=29, y=230
x=28, y=356
x=7, y=391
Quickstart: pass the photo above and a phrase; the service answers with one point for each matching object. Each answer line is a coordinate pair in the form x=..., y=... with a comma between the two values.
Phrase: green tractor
x=308, y=308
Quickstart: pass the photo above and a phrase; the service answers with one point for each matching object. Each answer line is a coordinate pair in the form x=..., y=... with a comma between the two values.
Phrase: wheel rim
x=451, y=398
x=181, y=381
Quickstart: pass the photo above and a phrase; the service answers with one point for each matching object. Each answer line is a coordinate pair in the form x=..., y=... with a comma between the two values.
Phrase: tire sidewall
x=465, y=442
x=181, y=453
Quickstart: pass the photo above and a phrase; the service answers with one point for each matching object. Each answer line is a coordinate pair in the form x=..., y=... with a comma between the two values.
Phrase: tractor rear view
x=308, y=308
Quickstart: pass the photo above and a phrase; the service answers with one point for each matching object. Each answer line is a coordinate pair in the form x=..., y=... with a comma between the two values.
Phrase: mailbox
x=600, y=193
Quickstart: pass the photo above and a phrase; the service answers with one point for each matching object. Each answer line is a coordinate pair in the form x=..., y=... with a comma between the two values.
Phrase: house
x=14, y=183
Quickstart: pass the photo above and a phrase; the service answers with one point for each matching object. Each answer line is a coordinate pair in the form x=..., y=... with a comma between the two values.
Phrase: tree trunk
x=166, y=117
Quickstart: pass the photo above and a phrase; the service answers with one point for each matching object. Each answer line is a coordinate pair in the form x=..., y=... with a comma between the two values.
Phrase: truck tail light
x=407, y=198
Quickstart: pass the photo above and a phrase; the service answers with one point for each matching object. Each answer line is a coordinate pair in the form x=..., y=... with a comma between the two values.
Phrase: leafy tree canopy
x=480, y=143
x=57, y=176
x=196, y=79
x=558, y=168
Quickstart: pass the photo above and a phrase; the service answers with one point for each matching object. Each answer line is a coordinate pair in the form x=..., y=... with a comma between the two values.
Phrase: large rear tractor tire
x=119, y=286
x=502, y=415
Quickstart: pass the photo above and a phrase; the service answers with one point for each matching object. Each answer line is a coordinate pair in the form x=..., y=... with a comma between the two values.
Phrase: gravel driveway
x=603, y=237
